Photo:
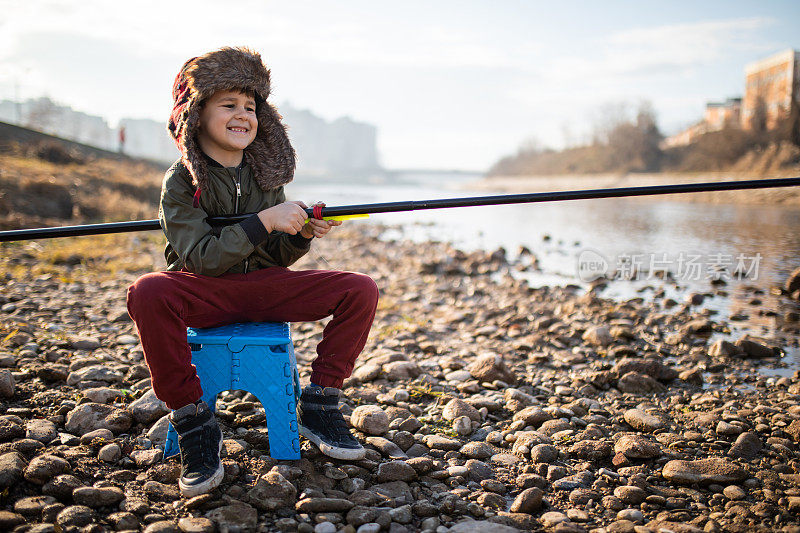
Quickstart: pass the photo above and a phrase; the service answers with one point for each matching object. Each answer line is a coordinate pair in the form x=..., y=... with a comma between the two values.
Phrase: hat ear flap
x=271, y=154
x=192, y=154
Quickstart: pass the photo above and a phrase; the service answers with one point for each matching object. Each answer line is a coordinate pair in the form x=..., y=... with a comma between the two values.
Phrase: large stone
x=158, y=431
x=44, y=467
x=10, y=428
x=710, y=470
x=235, y=517
x=398, y=370
x=490, y=367
x=477, y=450
x=528, y=501
x=639, y=420
x=102, y=394
x=367, y=372
x=7, y=384
x=33, y=505
x=755, y=349
x=532, y=416
x=592, y=450
x=650, y=367
x=723, y=348
x=748, y=446
x=637, y=447
x=94, y=373
x=75, y=516
x=543, y=453
x=395, y=471
x=62, y=486
x=272, y=491
x=83, y=342
x=481, y=526
x=370, y=419
x=793, y=281
x=516, y=399
x=148, y=408
x=12, y=465
x=42, y=430
x=636, y=383
x=190, y=524
x=456, y=408
x=90, y=416
x=438, y=442
x=9, y=520
x=98, y=496
x=598, y=336
x=323, y=505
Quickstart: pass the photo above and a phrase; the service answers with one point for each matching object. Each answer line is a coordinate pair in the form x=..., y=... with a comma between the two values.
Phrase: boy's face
x=227, y=122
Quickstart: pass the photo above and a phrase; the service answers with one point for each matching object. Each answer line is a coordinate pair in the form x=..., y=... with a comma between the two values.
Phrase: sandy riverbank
x=492, y=403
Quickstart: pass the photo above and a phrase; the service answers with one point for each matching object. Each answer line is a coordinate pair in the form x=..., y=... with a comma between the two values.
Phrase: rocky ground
x=485, y=405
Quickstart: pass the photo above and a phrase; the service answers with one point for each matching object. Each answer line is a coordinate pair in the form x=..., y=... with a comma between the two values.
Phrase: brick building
x=721, y=114
x=770, y=86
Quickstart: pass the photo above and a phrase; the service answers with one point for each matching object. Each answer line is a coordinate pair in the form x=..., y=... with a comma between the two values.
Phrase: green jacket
x=195, y=246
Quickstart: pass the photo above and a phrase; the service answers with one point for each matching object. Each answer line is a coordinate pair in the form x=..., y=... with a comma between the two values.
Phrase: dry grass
x=36, y=192
x=100, y=257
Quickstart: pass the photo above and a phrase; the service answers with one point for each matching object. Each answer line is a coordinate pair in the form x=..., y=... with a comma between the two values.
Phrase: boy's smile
x=228, y=124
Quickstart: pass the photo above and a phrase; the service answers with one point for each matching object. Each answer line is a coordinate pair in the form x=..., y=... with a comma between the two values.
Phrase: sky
x=448, y=84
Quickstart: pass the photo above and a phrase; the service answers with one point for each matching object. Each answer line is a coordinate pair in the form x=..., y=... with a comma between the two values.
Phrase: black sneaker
x=322, y=423
x=200, y=441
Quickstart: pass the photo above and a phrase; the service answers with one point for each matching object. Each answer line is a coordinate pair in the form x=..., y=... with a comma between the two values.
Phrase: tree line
x=624, y=142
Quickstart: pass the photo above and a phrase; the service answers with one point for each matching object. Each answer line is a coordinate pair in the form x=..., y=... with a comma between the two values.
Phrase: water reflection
x=615, y=228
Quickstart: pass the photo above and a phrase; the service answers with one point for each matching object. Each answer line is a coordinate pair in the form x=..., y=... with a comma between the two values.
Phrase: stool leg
x=270, y=377
x=171, y=445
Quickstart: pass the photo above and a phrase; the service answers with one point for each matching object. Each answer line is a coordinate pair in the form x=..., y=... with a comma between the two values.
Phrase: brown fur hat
x=270, y=155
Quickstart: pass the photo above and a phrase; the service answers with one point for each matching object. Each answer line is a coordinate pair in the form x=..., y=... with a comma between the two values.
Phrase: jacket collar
x=214, y=163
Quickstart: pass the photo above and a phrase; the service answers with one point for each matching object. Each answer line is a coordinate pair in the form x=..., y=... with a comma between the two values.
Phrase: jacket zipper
x=238, y=181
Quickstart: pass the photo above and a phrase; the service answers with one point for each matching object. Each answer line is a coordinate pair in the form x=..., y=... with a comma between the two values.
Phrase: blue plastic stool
x=257, y=357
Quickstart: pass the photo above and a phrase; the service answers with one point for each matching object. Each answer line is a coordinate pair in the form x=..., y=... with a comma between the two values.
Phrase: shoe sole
x=344, y=454
x=190, y=491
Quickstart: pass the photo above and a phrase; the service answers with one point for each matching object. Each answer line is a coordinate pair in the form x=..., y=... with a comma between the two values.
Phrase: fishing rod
x=357, y=211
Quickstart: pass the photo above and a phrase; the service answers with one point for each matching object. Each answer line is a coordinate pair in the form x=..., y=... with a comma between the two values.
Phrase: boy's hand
x=288, y=217
x=318, y=228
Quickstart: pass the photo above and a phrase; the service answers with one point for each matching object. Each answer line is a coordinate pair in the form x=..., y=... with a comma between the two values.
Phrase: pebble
x=395, y=471
x=7, y=384
x=370, y=419
x=44, y=467
x=451, y=444
x=44, y=431
x=90, y=416
x=637, y=447
x=110, y=453
x=75, y=516
x=528, y=501
x=97, y=496
x=551, y=518
x=190, y=524
x=642, y=421
x=710, y=470
x=148, y=408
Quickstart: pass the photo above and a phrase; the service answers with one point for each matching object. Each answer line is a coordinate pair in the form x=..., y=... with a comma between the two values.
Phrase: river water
x=748, y=248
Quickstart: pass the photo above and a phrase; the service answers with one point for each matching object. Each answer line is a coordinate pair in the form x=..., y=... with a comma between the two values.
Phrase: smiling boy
x=236, y=158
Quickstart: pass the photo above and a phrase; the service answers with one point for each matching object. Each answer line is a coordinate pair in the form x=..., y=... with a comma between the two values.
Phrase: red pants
x=163, y=304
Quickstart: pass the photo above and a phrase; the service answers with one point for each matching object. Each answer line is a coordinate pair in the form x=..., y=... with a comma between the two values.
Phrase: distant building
x=343, y=147
x=771, y=85
x=721, y=114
